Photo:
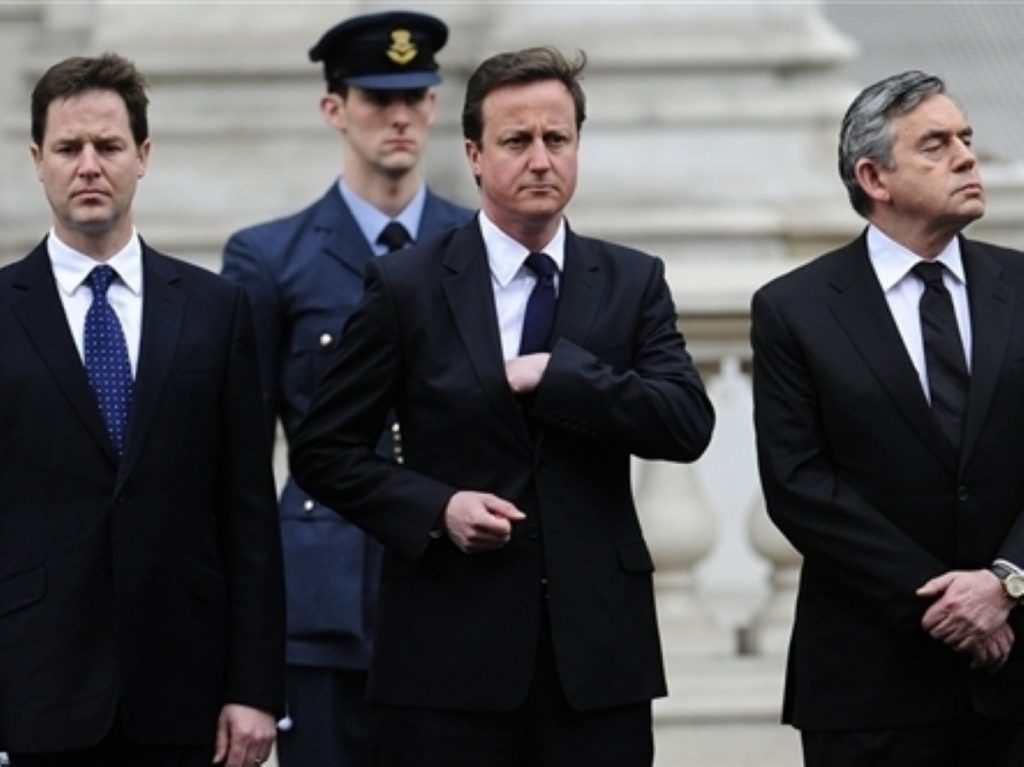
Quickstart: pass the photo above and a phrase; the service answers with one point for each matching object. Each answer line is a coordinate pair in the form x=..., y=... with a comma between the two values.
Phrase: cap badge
x=402, y=49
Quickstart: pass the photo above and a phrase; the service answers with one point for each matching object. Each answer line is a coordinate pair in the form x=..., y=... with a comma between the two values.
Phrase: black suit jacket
x=459, y=631
x=150, y=585
x=858, y=476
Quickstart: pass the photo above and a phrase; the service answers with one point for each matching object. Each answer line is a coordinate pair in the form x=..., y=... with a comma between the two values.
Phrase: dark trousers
x=970, y=741
x=545, y=732
x=329, y=719
x=115, y=750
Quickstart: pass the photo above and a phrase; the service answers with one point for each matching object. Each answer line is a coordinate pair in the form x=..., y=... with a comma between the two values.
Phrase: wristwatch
x=1011, y=578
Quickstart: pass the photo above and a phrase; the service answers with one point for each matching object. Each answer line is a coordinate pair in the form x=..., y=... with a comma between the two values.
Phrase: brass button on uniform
x=308, y=505
x=326, y=339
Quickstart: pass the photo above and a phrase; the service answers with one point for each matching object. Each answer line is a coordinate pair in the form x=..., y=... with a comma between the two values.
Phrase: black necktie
x=106, y=357
x=394, y=236
x=945, y=362
x=540, y=309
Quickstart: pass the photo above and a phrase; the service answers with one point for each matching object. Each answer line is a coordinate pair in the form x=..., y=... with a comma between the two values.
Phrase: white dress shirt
x=892, y=264
x=71, y=269
x=512, y=281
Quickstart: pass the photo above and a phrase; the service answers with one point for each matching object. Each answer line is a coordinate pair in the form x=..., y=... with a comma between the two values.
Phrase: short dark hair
x=519, y=68
x=867, y=126
x=79, y=74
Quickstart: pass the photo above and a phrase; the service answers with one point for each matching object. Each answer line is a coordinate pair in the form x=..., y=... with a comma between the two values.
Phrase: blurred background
x=710, y=141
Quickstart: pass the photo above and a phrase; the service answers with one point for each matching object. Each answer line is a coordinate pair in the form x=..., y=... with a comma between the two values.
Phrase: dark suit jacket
x=459, y=631
x=151, y=585
x=858, y=476
x=304, y=276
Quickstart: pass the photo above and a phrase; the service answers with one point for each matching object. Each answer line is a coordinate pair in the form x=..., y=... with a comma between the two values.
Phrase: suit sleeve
x=244, y=264
x=333, y=454
x=249, y=533
x=838, y=532
x=654, y=407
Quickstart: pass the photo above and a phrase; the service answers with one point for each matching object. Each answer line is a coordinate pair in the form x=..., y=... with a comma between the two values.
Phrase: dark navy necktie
x=394, y=236
x=540, y=309
x=945, y=362
x=106, y=358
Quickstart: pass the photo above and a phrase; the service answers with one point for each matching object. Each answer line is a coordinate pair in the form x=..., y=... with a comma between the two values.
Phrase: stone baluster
x=680, y=530
x=768, y=632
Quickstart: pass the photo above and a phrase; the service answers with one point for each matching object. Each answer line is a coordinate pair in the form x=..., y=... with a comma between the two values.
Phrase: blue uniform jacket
x=304, y=275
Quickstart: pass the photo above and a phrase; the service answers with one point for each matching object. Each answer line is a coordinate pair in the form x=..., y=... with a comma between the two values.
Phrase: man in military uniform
x=304, y=274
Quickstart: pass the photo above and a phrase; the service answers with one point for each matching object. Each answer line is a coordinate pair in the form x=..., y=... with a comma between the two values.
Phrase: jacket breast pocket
x=312, y=345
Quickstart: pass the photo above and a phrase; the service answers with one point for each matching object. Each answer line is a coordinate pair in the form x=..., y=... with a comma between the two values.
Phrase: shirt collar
x=71, y=268
x=371, y=221
x=892, y=261
x=505, y=256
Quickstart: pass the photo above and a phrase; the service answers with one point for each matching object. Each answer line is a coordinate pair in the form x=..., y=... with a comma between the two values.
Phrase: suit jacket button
x=962, y=494
x=309, y=505
x=326, y=339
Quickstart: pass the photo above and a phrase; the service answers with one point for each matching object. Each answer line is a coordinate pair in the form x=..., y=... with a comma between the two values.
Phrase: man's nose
x=88, y=161
x=539, y=157
x=964, y=156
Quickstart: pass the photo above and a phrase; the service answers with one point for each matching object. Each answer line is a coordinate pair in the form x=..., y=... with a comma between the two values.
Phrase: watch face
x=1014, y=585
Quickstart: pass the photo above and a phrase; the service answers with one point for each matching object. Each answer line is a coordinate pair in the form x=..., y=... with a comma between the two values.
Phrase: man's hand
x=524, y=373
x=244, y=736
x=969, y=614
x=994, y=650
x=478, y=522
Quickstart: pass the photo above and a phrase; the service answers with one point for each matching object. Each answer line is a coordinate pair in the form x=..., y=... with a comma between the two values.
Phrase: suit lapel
x=580, y=289
x=991, y=302
x=343, y=239
x=41, y=314
x=162, y=313
x=861, y=309
x=467, y=288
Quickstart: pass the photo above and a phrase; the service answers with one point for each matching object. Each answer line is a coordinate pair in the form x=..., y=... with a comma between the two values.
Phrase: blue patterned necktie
x=106, y=358
x=540, y=308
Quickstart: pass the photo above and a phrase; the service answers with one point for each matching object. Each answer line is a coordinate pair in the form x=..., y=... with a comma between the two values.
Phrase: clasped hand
x=970, y=614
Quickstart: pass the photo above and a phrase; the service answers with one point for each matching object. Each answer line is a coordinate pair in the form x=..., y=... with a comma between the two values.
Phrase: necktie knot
x=394, y=236
x=99, y=279
x=930, y=273
x=542, y=265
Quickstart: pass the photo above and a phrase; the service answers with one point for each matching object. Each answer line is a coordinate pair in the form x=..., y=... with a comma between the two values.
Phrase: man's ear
x=332, y=107
x=872, y=180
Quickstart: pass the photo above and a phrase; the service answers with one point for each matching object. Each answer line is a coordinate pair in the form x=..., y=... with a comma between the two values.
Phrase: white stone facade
x=710, y=141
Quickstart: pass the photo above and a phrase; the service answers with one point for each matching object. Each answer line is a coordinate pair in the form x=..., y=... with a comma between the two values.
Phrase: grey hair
x=867, y=126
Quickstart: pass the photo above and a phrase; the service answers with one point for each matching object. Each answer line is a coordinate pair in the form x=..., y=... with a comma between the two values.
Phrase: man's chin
x=91, y=226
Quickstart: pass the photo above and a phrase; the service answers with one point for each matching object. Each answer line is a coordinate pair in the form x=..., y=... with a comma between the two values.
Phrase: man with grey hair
x=888, y=391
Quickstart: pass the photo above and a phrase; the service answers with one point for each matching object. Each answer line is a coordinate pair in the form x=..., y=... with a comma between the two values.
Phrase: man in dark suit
x=304, y=274
x=517, y=621
x=888, y=391
x=141, y=587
